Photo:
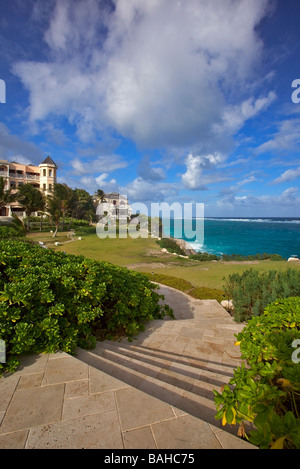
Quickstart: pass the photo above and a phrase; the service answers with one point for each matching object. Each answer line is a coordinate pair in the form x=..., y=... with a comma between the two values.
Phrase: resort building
x=114, y=204
x=15, y=174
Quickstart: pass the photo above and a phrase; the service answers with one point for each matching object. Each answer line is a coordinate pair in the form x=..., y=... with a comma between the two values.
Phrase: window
x=44, y=173
x=50, y=173
x=44, y=187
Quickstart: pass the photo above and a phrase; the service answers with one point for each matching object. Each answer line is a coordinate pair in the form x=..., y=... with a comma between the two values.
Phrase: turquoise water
x=247, y=236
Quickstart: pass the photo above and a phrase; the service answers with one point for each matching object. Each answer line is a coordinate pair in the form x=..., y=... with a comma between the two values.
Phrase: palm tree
x=100, y=193
x=54, y=210
x=6, y=195
x=31, y=199
x=66, y=196
x=84, y=207
x=59, y=204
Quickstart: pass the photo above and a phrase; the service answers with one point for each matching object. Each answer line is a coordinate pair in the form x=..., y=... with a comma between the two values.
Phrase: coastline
x=247, y=237
x=185, y=246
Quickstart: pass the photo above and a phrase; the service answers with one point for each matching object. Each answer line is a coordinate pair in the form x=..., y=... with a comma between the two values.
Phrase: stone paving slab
x=59, y=401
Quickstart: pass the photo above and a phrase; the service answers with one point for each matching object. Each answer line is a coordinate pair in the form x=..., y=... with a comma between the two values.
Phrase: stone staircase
x=179, y=361
x=155, y=392
x=179, y=381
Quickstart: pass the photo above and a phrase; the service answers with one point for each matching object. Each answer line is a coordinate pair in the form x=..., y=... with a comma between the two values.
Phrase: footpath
x=155, y=392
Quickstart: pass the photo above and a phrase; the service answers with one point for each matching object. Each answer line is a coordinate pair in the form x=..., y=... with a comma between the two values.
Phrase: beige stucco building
x=15, y=174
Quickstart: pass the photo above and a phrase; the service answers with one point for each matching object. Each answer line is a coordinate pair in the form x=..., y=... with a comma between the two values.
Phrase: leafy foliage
x=7, y=196
x=252, y=291
x=204, y=257
x=252, y=257
x=170, y=245
x=12, y=229
x=174, y=282
x=32, y=199
x=266, y=388
x=200, y=293
x=205, y=293
x=51, y=301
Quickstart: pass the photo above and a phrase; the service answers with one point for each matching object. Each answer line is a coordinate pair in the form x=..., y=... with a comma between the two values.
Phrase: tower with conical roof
x=47, y=174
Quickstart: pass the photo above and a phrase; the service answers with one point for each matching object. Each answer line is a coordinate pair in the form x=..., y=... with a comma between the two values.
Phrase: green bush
x=205, y=293
x=266, y=388
x=252, y=291
x=170, y=245
x=204, y=257
x=15, y=228
x=9, y=232
x=200, y=293
x=252, y=257
x=174, y=282
x=50, y=301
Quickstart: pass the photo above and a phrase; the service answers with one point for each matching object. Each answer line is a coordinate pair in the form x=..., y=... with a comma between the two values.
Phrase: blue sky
x=160, y=100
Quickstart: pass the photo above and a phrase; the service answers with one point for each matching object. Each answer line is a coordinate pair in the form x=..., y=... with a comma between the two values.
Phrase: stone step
x=175, y=363
x=184, y=384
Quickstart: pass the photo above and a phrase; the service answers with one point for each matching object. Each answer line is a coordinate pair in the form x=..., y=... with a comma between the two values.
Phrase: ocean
x=246, y=236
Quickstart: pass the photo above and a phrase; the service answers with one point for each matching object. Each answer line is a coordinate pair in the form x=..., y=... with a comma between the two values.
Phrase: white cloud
x=150, y=173
x=140, y=190
x=106, y=186
x=247, y=180
x=107, y=163
x=158, y=72
x=235, y=116
x=193, y=178
x=287, y=138
x=285, y=204
x=14, y=148
x=289, y=175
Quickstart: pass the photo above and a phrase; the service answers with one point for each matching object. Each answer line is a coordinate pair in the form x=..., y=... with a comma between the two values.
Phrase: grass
x=144, y=255
x=47, y=237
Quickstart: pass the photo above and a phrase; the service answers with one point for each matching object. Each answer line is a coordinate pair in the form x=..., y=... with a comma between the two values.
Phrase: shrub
x=9, y=232
x=252, y=257
x=13, y=229
x=204, y=293
x=204, y=256
x=174, y=282
x=50, y=301
x=252, y=291
x=171, y=245
x=266, y=390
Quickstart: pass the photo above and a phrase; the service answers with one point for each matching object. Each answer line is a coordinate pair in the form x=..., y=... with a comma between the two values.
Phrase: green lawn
x=144, y=255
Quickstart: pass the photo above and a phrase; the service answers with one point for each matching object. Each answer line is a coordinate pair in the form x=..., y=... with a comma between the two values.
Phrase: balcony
x=16, y=175
x=28, y=177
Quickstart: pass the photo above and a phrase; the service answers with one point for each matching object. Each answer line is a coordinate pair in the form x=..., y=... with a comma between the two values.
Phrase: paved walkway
x=152, y=393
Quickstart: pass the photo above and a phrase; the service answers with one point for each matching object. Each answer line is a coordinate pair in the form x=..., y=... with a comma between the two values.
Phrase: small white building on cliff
x=113, y=205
